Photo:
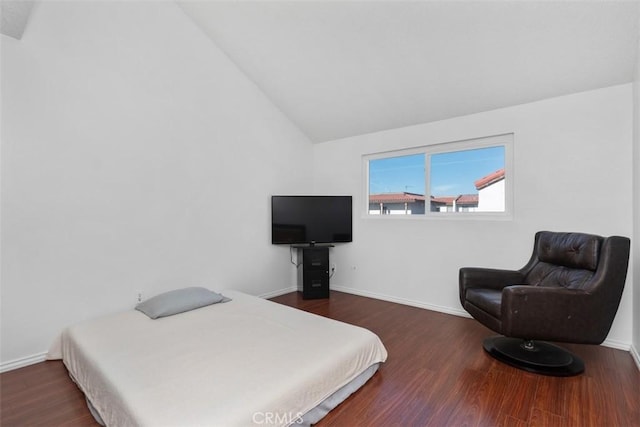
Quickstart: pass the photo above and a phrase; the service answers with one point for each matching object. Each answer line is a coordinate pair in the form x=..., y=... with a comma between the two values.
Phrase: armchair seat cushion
x=488, y=300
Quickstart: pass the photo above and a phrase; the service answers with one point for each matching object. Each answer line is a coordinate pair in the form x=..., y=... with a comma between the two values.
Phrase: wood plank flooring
x=437, y=374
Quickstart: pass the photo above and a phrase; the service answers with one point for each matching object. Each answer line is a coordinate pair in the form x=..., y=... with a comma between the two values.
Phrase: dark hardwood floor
x=437, y=374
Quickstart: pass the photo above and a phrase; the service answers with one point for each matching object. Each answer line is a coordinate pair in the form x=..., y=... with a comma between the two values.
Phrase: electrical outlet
x=139, y=296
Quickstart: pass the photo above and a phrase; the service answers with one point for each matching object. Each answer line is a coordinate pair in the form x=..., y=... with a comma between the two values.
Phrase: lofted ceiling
x=345, y=68
x=14, y=15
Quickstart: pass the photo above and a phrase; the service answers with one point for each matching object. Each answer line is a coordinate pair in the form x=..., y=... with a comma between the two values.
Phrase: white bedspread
x=248, y=361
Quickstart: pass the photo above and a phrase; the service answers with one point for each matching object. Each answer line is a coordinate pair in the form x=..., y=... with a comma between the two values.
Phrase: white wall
x=126, y=136
x=572, y=162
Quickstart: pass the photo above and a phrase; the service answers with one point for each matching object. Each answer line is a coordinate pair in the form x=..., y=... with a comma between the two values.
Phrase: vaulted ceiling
x=343, y=68
x=14, y=16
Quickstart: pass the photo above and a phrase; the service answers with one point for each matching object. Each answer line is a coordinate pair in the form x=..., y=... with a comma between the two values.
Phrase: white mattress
x=234, y=364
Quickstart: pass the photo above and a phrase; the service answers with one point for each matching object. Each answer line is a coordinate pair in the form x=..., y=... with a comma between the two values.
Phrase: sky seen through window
x=451, y=173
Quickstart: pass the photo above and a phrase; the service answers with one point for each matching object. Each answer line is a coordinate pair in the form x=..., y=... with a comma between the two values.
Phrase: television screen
x=310, y=219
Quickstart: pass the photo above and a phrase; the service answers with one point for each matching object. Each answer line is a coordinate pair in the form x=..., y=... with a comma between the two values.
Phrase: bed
x=247, y=361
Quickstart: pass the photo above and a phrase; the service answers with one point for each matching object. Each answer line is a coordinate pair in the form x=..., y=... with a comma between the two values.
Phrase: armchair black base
x=538, y=357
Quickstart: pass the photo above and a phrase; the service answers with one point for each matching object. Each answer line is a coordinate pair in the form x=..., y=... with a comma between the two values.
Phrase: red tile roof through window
x=445, y=200
x=485, y=181
x=395, y=198
x=463, y=199
x=467, y=199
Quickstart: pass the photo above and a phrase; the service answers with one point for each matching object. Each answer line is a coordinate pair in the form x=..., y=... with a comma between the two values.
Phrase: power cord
x=291, y=256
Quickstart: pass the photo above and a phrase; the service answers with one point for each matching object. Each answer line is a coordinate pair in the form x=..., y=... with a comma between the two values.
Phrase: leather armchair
x=569, y=291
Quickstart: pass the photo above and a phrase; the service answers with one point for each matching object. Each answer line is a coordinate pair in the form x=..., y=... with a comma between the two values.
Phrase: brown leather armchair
x=569, y=291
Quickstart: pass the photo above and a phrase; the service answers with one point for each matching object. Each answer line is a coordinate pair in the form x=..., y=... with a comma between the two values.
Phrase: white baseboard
x=23, y=361
x=278, y=292
x=635, y=355
x=404, y=301
x=620, y=345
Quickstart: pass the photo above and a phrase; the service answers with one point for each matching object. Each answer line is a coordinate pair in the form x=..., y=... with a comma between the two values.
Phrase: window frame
x=505, y=140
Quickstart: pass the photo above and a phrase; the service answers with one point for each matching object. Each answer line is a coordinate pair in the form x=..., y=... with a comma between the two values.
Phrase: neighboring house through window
x=464, y=177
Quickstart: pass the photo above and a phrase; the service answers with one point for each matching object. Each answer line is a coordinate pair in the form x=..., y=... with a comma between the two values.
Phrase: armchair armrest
x=488, y=278
x=551, y=314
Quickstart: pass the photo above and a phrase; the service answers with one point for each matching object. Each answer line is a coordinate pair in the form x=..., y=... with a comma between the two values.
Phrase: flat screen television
x=310, y=219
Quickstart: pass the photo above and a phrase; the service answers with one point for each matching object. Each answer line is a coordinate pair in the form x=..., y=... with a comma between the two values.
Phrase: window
x=465, y=178
x=396, y=185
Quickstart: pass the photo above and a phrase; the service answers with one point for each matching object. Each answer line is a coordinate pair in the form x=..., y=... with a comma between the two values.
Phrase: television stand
x=313, y=272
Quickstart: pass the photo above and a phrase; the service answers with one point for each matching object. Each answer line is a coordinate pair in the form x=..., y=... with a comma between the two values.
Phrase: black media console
x=313, y=272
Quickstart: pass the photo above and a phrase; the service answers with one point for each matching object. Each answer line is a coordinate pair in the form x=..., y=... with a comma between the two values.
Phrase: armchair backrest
x=593, y=264
x=567, y=260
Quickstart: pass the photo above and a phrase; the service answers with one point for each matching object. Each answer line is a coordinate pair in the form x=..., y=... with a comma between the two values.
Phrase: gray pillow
x=179, y=301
